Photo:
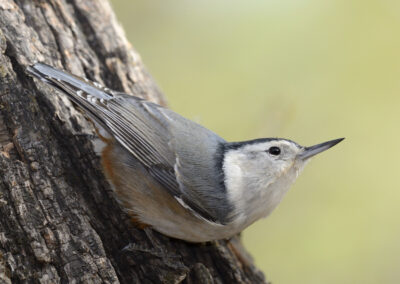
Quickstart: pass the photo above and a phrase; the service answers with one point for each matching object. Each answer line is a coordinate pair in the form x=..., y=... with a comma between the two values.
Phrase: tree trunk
x=59, y=221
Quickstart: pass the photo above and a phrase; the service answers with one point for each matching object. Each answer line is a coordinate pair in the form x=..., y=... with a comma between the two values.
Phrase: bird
x=176, y=176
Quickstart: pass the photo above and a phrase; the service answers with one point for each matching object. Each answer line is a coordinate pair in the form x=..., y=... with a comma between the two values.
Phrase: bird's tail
x=61, y=79
x=91, y=97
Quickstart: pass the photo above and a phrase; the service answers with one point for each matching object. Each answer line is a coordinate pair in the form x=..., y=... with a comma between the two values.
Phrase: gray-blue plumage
x=157, y=137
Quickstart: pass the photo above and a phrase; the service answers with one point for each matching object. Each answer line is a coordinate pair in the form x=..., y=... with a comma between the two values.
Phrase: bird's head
x=264, y=169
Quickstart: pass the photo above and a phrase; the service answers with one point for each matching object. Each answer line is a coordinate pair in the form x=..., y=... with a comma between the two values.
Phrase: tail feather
x=89, y=96
x=45, y=73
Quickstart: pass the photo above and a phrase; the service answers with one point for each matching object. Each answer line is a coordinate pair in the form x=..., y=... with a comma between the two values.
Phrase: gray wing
x=180, y=154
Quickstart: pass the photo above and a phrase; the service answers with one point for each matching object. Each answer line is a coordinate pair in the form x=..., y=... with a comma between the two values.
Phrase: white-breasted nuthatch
x=176, y=176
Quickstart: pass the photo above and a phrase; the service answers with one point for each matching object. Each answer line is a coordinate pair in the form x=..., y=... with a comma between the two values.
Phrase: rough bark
x=59, y=221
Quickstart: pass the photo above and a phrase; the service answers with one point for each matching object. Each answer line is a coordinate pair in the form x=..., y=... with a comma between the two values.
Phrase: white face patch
x=233, y=175
x=256, y=180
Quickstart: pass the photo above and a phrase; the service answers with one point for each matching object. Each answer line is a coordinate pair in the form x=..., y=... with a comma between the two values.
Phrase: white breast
x=253, y=197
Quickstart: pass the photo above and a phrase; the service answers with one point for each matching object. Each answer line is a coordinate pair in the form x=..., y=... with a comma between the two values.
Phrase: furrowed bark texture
x=59, y=221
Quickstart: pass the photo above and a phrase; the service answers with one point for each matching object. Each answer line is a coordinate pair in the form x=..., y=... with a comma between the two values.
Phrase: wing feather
x=160, y=139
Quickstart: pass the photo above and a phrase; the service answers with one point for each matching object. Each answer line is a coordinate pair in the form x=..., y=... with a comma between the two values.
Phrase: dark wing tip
x=35, y=70
x=43, y=70
x=60, y=78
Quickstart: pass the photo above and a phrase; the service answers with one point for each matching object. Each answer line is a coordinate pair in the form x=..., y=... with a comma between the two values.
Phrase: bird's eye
x=274, y=151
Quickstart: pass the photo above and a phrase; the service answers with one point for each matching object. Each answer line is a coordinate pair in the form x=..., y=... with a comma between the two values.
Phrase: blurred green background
x=306, y=70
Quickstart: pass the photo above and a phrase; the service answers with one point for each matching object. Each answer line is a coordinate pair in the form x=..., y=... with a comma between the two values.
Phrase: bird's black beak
x=316, y=149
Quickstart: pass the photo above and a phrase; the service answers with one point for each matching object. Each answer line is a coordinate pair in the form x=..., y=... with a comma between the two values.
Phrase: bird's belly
x=192, y=230
x=164, y=214
x=150, y=204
